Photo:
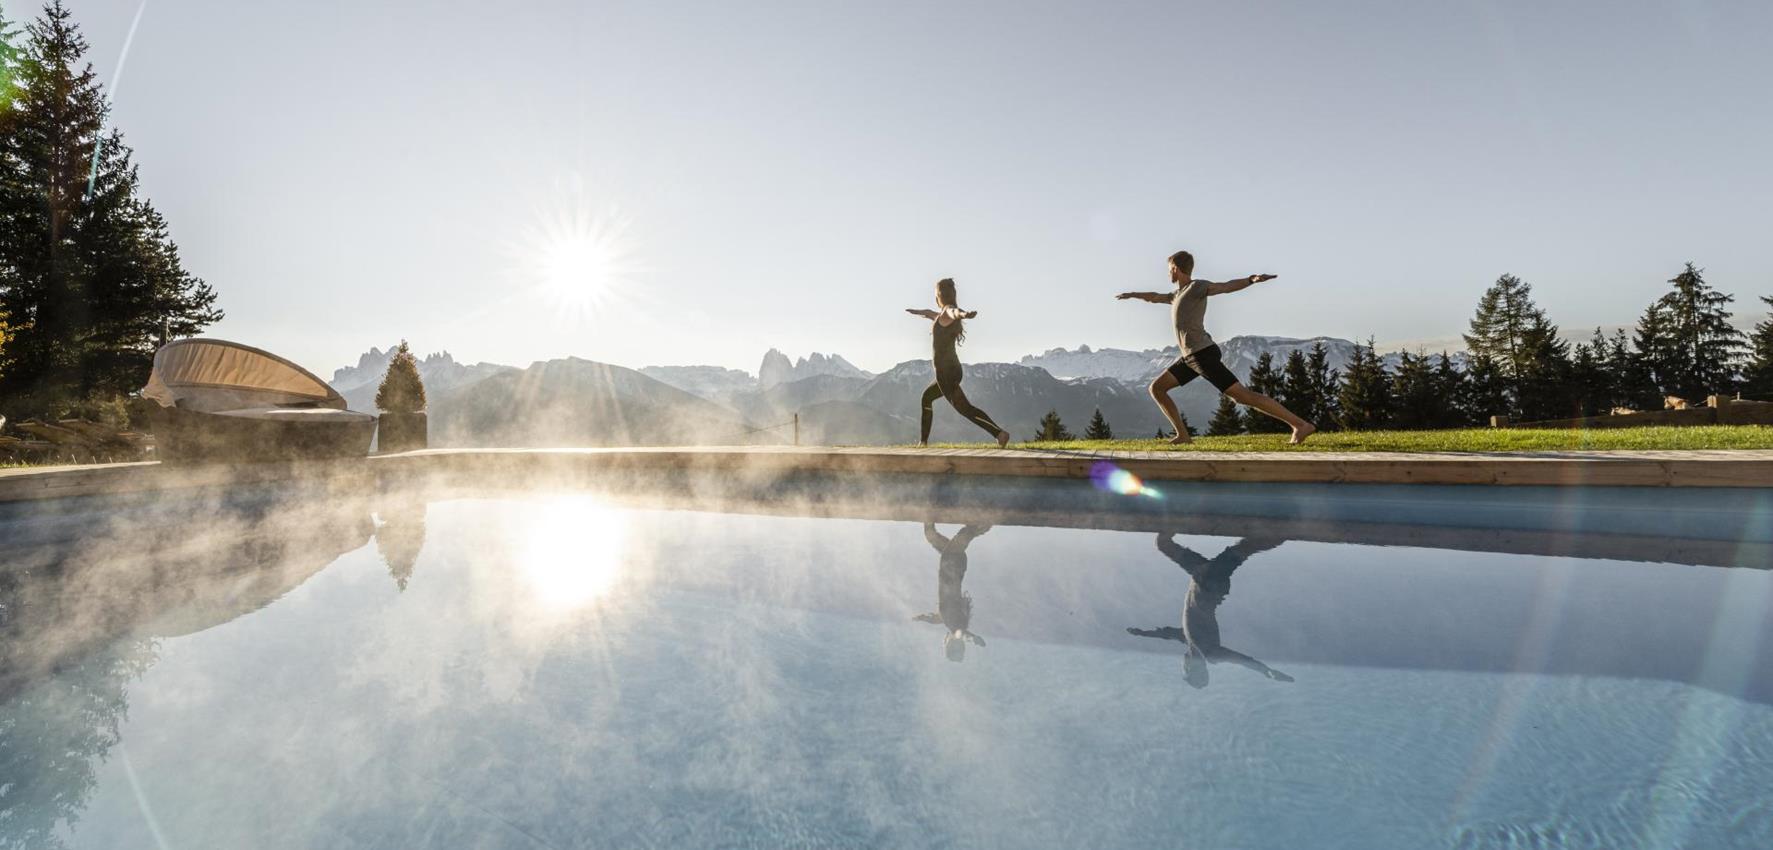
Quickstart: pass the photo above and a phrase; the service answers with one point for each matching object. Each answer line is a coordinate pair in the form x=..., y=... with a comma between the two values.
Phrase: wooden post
x=797, y=429
x=1498, y=422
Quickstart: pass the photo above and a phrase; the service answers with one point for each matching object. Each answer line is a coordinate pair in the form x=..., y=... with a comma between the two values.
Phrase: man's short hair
x=1184, y=261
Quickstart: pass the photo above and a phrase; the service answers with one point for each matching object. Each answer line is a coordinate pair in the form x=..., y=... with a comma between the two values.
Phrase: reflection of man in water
x=954, y=608
x=1211, y=583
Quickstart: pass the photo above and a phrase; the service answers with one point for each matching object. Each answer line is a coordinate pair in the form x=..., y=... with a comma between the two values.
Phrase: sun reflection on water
x=572, y=552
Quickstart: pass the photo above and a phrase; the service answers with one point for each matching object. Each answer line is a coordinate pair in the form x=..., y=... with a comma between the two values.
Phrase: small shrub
x=401, y=390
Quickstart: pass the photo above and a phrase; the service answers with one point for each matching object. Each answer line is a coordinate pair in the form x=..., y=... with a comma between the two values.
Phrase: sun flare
x=578, y=257
x=573, y=552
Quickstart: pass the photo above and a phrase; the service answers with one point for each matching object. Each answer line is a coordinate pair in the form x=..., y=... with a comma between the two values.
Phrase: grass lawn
x=1463, y=440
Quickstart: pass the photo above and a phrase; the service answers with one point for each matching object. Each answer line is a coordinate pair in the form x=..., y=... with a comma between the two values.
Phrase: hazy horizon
x=793, y=177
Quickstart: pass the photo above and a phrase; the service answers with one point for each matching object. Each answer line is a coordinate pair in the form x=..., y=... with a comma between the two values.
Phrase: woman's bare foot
x=1003, y=439
x=923, y=444
x=1301, y=432
x=1181, y=439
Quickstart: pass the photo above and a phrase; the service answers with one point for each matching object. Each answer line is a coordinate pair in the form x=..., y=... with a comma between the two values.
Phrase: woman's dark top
x=946, y=336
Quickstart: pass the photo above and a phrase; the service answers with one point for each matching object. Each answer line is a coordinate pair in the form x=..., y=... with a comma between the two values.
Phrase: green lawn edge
x=1461, y=440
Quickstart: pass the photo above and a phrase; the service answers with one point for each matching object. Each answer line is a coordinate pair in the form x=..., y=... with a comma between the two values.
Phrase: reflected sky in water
x=572, y=671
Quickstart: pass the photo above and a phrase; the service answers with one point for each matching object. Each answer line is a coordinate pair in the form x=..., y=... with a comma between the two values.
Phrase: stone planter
x=401, y=432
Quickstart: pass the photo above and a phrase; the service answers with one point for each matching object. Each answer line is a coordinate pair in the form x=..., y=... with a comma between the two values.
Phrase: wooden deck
x=1748, y=469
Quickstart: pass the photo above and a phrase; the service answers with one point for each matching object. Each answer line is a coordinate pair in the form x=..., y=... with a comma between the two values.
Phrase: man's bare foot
x=1301, y=432
x=1003, y=439
x=923, y=444
x=1181, y=440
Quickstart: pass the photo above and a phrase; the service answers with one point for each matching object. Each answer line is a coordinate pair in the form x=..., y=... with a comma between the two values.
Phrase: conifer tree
x=1265, y=379
x=1687, y=338
x=1449, y=384
x=1514, y=333
x=1591, y=385
x=1758, y=383
x=1298, y=392
x=89, y=279
x=401, y=391
x=1226, y=420
x=1365, y=399
x=1633, y=384
x=1098, y=429
x=1052, y=429
x=1326, y=383
x=1416, y=394
x=1486, y=390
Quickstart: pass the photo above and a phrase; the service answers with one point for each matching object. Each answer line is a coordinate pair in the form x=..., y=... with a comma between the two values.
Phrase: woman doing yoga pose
x=954, y=608
x=947, y=330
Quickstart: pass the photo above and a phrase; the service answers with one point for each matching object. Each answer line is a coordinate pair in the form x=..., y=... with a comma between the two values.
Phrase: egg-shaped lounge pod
x=213, y=400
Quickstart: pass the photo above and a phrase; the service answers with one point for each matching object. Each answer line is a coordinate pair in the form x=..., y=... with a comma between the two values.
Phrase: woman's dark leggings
x=948, y=386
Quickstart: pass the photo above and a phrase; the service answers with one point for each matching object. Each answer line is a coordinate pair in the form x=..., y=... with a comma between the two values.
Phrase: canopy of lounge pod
x=214, y=400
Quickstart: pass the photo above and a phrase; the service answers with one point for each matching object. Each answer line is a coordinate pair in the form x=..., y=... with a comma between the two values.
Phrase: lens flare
x=1106, y=476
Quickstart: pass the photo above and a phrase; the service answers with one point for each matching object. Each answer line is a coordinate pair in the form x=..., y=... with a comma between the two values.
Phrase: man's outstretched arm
x=1153, y=297
x=1240, y=283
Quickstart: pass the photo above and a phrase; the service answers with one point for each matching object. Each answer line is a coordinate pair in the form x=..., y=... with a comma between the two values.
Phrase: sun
x=577, y=256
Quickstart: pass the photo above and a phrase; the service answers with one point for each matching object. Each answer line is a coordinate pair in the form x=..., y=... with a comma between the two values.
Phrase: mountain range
x=575, y=402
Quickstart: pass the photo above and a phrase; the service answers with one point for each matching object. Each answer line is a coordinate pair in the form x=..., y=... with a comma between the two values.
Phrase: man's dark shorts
x=1204, y=363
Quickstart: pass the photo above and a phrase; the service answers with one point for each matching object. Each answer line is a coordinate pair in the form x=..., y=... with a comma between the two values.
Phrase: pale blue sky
x=794, y=174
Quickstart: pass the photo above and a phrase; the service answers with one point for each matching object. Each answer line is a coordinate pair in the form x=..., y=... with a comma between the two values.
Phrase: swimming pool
x=958, y=667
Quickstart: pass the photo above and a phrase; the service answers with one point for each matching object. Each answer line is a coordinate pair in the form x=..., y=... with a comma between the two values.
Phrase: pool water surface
x=572, y=670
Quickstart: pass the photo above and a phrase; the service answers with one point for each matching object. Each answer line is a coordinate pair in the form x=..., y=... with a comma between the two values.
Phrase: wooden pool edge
x=1711, y=469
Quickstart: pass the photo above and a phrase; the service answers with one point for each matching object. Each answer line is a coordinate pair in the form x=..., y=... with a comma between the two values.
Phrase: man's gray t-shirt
x=1188, y=311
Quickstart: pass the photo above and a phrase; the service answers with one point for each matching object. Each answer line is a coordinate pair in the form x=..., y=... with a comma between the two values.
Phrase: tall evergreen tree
x=1265, y=379
x=1326, y=383
x=9, y=59
x=89, y=278
x=1687, y=338
x=1486, y=390
x=1365, y=399
x=1098, y=429
x=1758, y=377
x=1226, y=420
x=1449, y=386
x=1297, y=391
x=1591, y=383
x=1052, y=429
x=1634, y=384
x=1514, y=333
x=1416, y=394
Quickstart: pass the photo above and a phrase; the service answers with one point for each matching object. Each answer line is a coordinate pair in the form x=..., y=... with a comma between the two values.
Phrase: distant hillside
x=776, y=369
x=574, y=402
x=580, y=402
x=1139, y=367
x=715, y=383
x=440, y=372
x=1016, y=396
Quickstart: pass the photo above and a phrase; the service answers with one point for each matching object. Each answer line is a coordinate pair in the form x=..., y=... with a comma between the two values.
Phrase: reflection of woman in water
x=954, y=608
x=947, y=329
x=1209, y=585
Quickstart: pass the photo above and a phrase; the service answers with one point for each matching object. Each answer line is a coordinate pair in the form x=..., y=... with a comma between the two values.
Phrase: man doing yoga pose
x=1200, y=355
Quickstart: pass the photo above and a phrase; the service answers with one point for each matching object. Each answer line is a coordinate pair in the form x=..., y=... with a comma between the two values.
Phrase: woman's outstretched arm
x=925, y=314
